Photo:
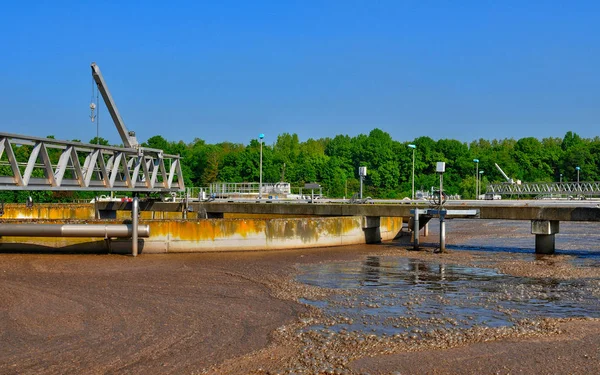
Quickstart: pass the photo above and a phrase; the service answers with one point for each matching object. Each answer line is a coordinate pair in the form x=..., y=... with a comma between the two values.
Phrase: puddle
x=393, y=295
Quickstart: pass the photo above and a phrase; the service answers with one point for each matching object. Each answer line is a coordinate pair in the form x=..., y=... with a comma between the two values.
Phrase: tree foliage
x=333, y=162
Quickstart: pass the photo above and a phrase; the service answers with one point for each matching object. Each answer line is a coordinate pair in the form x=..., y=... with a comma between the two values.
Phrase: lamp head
x=476, y=160
x=261, y=136
x=412, y=146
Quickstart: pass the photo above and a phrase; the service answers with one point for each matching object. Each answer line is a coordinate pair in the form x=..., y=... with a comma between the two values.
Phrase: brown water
x=391, y=295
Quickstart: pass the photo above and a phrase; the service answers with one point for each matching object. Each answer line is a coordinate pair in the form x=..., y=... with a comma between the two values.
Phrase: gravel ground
x=237, y=313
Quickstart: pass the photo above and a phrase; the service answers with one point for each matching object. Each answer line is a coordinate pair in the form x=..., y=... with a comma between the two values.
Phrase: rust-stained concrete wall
x=86, y=211
x=202, y=235
x=64, y=211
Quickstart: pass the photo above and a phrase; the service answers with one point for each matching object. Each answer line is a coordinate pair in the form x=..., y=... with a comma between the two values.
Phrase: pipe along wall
x=173, y=234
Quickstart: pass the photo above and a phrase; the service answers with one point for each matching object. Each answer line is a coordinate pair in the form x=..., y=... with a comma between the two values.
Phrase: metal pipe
x=135, y=209
x=73, y=230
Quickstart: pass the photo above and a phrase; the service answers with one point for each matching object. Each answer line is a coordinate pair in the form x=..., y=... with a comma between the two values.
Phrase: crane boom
x=510, y=180
x=128, y=137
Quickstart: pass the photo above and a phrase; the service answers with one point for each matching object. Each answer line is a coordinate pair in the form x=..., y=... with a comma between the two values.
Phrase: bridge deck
x=508, y=210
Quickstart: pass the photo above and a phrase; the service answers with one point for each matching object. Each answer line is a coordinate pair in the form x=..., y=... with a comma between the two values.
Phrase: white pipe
x=134, y=220
x=73, y=230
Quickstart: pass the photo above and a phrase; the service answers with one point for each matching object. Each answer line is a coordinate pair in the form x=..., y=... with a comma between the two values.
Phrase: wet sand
x=237, y=313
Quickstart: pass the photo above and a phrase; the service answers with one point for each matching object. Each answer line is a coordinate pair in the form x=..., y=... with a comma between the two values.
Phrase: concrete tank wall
x=202, y=235
x=49, y=211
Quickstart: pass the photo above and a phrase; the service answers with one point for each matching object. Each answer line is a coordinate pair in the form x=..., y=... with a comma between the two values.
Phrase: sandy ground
x=235, y=313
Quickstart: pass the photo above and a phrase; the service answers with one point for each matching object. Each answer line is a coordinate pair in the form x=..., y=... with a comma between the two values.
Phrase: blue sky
x=229, y=70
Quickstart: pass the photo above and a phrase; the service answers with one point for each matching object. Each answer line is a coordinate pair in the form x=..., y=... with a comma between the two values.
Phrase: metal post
x=413, y=170
x=480, y=180
x=476, y=178
x=416, y=230
x=185, y=207
x=442, y=231
x=361, y=186
x=261, y=136
x=578, y=187
x=413, y=176
x=134, y=222
x=441, y=190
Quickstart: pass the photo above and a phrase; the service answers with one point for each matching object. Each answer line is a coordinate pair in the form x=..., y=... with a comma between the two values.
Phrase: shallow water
x=398, y=295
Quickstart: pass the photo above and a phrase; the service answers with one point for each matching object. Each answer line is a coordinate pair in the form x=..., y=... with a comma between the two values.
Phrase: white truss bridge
x=32, y=163
x=546, y=188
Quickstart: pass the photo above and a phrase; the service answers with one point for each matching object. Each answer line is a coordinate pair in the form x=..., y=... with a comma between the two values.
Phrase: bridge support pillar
x=371, y=226
x=544, y=231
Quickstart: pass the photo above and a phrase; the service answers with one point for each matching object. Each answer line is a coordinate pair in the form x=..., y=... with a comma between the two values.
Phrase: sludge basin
x=415, y=298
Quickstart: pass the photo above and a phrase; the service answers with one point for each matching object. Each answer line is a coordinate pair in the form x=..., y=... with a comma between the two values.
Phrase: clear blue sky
x=229, y=70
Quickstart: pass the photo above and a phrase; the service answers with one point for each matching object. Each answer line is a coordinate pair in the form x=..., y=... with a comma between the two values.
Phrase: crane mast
x=128, y=137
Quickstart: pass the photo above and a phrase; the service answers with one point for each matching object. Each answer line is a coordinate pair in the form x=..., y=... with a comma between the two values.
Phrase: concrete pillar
x=416, y=230
x=544, y=231
x=426, y=230
x=371, y=226
x=544, y=244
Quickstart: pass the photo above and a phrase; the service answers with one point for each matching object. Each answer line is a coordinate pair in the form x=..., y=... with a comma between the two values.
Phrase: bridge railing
x=32, y=163
x=546, y=188
x=231, y=189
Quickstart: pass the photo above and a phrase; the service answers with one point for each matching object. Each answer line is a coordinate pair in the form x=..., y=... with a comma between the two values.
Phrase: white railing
x=248, y=189
x=31, y=163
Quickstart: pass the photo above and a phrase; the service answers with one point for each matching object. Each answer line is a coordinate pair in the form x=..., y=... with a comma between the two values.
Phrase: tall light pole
x=413, y=170
x=578, y=177
x=480, y=179
x=476, y=161
x=561, y=178
x=260, y=136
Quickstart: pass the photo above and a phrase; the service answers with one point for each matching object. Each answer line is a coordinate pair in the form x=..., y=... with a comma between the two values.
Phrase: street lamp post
x=578, y=187
x=260, y=136
x=413, y=170
x=479, y=181
x=476, y=177
x=561, y=178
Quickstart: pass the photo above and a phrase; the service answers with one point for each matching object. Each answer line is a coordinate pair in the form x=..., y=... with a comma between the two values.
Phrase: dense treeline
x=334, y=162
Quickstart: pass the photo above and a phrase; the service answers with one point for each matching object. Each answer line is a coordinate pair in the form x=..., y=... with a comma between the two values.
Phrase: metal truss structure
x=31, y=163
x=546, y=188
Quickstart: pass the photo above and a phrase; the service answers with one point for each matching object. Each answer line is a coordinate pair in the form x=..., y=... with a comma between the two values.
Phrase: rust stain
x=206, y=229
x=259, y=216
x=309, y=230
x=278, y=231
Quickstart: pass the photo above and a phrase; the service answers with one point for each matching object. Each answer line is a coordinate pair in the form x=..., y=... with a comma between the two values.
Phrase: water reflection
x=370, y=271
x=396, y=295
